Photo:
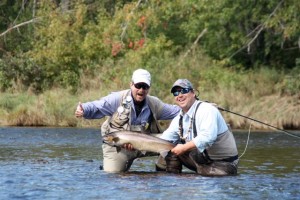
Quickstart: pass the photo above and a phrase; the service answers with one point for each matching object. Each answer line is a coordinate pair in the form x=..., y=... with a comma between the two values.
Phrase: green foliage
x=291, y=83
x=250, y=33
x=21, y=72
x=255, y=83
x=249, y=53
x=107, y=40
x=53, y=108
x=59, y=106
x=14, y=12
x=9, y=102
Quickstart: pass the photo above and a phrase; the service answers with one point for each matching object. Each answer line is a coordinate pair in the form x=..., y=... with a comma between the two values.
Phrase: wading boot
x=174, y=164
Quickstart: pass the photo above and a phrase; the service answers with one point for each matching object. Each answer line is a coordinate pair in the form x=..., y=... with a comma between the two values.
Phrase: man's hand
x=79, y=110
x=178, y=149
x=182, y=148
x=128, y=147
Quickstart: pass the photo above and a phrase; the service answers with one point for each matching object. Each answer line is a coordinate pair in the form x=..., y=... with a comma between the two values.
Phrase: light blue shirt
x=108, y=105
x=209, y=124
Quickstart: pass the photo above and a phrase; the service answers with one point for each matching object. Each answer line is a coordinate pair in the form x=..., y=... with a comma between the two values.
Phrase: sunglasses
x=141, y=85
x=182, y=91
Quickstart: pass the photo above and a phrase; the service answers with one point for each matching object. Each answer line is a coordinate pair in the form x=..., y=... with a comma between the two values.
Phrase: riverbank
x=56, y=108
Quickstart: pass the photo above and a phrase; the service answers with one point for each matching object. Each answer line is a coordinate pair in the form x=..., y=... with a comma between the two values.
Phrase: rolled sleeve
x=171, y=134
x=169, y=112
x=106, y=106
x=207, y=128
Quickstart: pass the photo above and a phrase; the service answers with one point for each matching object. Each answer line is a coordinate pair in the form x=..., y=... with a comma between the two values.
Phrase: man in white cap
x=205, y=144
x=132, y=110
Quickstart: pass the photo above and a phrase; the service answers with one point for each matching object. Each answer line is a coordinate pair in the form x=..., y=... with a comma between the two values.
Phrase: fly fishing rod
x=288, y=133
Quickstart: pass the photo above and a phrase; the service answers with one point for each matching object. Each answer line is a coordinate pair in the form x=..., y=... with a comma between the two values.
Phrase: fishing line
x=284, y=131
x=246, y=142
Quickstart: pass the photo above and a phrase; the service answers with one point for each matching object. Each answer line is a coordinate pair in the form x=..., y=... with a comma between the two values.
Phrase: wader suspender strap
x=230, y=159
x=205, y=154
x=181, y=130
x=194, y=124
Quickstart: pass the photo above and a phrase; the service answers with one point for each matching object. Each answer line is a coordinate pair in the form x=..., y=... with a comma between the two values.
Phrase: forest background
x=242, y=55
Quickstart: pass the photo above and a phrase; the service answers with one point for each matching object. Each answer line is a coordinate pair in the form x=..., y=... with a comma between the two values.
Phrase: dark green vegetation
x=243, y=55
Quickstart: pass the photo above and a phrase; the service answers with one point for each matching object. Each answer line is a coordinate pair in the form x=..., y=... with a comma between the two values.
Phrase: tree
x=248, y=33
x=62, y=39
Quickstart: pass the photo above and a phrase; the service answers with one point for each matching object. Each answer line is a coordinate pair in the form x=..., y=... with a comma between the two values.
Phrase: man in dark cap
x=205, y=143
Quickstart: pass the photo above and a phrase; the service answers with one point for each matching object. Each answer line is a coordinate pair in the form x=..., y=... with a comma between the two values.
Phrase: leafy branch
x=259, y=29
x=126, y=24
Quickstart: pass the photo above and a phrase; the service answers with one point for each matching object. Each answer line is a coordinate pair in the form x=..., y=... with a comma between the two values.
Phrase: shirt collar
x=144, y=103
x=191, y=111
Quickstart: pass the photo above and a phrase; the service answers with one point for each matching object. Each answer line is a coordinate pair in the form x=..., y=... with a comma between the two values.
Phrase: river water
x=63, y=163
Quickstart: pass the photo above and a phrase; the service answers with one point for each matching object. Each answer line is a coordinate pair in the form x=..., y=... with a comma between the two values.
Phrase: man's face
x=139, y=91
x=185, y=98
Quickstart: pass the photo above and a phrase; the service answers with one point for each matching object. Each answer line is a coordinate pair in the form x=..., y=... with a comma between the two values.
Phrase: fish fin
x=144, y=152
x=118, y=149
x=164, y=153
x=156, y=134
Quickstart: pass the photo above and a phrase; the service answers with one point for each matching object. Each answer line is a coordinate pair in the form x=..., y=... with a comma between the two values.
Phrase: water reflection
x=64, y=163
x=269, y=152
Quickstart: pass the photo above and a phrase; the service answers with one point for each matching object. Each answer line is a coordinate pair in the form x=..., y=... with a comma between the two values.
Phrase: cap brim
x=141, y=81
x=172, y=90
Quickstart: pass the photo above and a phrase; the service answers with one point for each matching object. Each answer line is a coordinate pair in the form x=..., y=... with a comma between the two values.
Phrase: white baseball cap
x=141, y=76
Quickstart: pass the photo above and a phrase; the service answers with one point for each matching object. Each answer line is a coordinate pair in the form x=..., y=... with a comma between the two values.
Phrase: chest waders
x=173, y=163
x=220, y=159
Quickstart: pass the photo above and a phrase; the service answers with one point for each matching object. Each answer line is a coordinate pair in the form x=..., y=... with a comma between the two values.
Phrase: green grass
x=264, y=94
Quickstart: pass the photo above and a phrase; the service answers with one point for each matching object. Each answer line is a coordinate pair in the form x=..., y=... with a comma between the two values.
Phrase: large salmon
x=139, y=141
x=147, y=143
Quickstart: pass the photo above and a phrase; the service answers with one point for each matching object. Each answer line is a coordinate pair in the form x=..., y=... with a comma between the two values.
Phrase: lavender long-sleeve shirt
x=108, y=105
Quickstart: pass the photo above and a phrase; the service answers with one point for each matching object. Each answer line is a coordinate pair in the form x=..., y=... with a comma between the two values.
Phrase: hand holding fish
x=128, y=146
x=180, y=149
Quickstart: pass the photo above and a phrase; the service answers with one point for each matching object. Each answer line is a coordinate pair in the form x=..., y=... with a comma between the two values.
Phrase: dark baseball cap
x=183, y=83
